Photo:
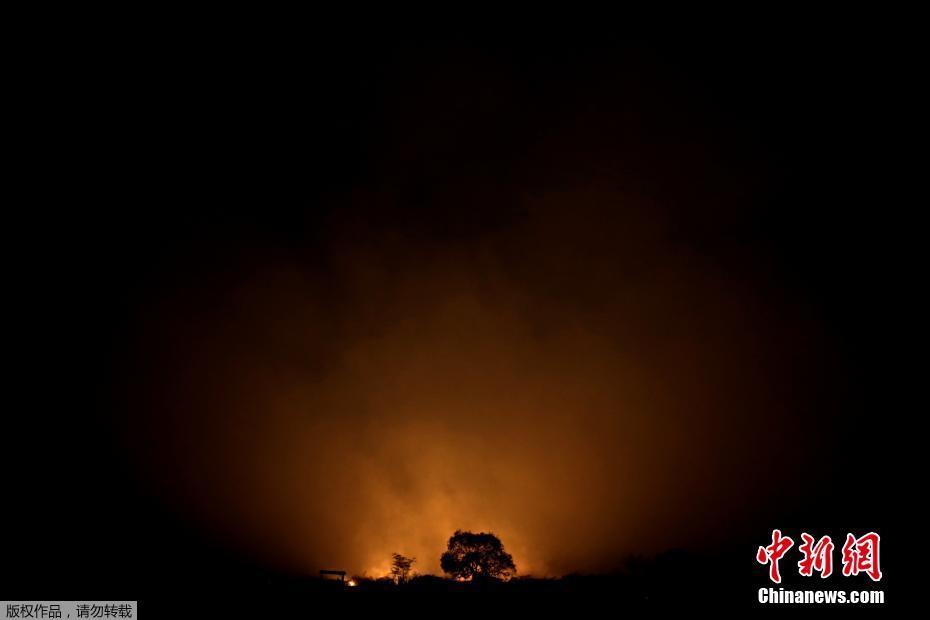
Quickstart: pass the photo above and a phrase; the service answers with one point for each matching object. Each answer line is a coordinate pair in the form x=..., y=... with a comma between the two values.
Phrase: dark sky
x=303, y=305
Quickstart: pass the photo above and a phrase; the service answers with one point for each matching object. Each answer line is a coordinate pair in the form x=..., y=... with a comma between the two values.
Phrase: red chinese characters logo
x=817, y=557
x=860, y=555
x=773, y=553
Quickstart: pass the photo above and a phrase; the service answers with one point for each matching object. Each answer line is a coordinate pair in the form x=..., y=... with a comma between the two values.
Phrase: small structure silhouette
x=333, y=575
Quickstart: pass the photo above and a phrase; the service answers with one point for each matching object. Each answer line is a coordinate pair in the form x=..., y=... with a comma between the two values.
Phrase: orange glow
x=334, y=435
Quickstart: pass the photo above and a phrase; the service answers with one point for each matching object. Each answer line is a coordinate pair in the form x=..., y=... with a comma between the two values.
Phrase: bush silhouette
x=400, y=567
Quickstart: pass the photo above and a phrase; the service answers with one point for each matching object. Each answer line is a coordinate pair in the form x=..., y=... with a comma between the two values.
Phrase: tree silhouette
x=472, y=556
x=400, y=567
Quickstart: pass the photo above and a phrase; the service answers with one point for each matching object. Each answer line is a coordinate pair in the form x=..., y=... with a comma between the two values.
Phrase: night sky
x=295, y=305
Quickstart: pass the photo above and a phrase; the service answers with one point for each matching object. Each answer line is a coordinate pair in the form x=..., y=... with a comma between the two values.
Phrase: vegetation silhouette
x=477, y=557
x=676, y=579
x=400, y=567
